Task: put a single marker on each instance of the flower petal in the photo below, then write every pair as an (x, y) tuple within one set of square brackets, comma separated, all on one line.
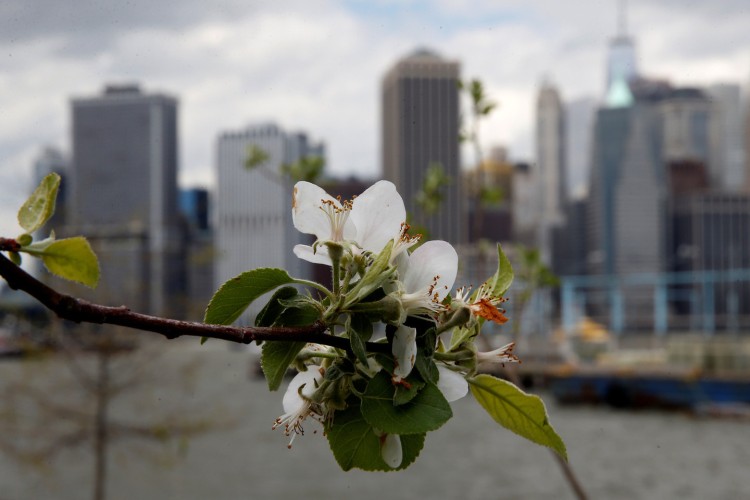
[(404, 351), (453, 385), (308, 216), (434, 258), (390, 450), (305, 252), (292, 400), (378, 214)]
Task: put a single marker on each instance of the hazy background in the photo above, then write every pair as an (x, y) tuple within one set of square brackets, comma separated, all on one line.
[(317, 65)]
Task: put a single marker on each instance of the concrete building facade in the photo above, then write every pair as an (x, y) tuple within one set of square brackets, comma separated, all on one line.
[(420, 127), (123, 195), (253, 206)]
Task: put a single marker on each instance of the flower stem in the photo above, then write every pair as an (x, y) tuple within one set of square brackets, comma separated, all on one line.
[(317, 286)]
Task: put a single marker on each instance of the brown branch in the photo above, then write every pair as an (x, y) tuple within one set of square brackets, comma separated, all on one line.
[(81, 311), (9, 245)]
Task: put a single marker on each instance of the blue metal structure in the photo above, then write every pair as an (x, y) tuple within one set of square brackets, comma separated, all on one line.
[(697, 288)]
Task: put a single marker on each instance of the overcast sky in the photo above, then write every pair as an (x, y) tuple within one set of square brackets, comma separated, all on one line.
[(316, 65)]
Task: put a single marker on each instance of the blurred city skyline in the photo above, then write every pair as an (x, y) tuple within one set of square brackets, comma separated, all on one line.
[(318, 66)]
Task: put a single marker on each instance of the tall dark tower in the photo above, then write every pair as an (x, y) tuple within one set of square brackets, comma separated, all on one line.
[(123, 194), (419, 129)]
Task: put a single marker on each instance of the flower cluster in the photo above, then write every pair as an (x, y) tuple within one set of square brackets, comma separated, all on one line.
[(381, 276)]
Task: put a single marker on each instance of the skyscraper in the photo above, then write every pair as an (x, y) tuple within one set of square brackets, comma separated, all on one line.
[(254, 215), (420, 126), (551, 178), (728, 154), (627, 192), (123, 194)]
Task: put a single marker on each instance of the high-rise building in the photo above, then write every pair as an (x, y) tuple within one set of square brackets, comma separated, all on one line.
[(123, 195), (626, 209), (728, 154), (551, 178), (420, 127), (579, 124), (253, 205), (686, 117)]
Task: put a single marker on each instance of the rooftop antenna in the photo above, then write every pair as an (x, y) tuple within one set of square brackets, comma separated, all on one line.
[(622, 28)]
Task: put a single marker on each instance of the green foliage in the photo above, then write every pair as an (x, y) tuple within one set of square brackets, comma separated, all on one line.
[(307, 168), (70, 258), (356, 444), (373, 403), (431, 196), (490, 196), (533, 271), (236, 295), (503, 277), (40, 206), (517, 411), (275, 360), (256, 156), (425, 412)]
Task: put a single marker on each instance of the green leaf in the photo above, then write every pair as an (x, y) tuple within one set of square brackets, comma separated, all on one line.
[(234, 296), (275, 359), (403, 394), (512, 408), (274, 307), (40, 206), (304, 315), (504, 276), (426, 412), (355, 444), (69, 258)]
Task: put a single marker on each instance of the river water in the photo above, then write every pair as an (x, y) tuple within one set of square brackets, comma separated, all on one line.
[(616, 454)]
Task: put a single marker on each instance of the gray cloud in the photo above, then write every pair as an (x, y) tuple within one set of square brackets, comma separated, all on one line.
[(317, 65)]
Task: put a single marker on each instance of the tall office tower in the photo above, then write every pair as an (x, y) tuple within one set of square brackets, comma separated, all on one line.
[(579, 124), (686, 119), (123, 195), (621, 59), (728, 154), (420, 129), (551, 178), (627, 195), (254, 215)]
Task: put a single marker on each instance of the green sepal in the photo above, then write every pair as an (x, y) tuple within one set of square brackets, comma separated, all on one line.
[(15, 258), (355, 444), (426, 412), (373, 279), (359, 329), (40, 206), (236, 295), (24, 239), (517, 411)]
